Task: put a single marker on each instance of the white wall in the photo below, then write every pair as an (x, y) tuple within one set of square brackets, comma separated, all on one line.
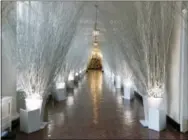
[(0, 69), (184, 75), (173, 90), (8, 66)]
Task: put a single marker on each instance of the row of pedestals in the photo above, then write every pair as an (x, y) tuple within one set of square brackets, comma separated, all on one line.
[(155, 114), (128, 91), (30, 119)]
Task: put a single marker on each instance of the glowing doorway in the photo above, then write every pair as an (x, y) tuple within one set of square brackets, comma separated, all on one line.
[(95, 62)]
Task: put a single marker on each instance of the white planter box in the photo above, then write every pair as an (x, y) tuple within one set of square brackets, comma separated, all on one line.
[(128, 93), (112, 79), (118, 82), (33, 104), (60, 94), (155, 103), (29, 120), (157, 119), (156, 114), (145, 104)]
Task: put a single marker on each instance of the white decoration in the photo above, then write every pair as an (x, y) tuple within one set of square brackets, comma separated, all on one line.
[(71, 77), (60, 85), (33, 103), (155, 115), (136, 36), (128, 83), (76, 78), (155, 102), (128, 92), (30, 120), (95, 33), (156, 119), (157, 91), (118, 82), (112, 78)]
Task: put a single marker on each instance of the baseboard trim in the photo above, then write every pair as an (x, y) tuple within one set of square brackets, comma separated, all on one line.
[(11, 135), (173, 123), (169, 120), (15, 123), (138, 97)]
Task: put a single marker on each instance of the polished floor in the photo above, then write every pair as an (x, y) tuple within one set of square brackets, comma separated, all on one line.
[(95, 110)]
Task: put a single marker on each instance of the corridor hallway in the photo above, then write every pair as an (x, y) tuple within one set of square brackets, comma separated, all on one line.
[(96, 111)]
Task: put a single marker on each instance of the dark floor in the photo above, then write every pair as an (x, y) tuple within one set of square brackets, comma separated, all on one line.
[(96, 111)]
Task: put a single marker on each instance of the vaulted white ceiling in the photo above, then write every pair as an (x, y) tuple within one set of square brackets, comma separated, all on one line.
[(61, 34)]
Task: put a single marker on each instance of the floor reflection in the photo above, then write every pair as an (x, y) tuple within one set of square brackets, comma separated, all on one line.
[(95, 84), (95, 110), (70, 100)]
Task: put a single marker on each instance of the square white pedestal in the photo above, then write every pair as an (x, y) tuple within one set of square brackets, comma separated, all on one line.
[(128, 93), (118, 84), (60, 94), (29, 120), (112, 79), (156, 119)]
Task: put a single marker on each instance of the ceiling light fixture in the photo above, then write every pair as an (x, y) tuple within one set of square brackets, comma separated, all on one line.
[(96, 33), (95, 43)]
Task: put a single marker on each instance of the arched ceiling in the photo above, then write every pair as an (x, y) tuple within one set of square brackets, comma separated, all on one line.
[(60, 34)]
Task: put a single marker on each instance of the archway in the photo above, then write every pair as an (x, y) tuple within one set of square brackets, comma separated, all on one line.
[(95, 62)]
